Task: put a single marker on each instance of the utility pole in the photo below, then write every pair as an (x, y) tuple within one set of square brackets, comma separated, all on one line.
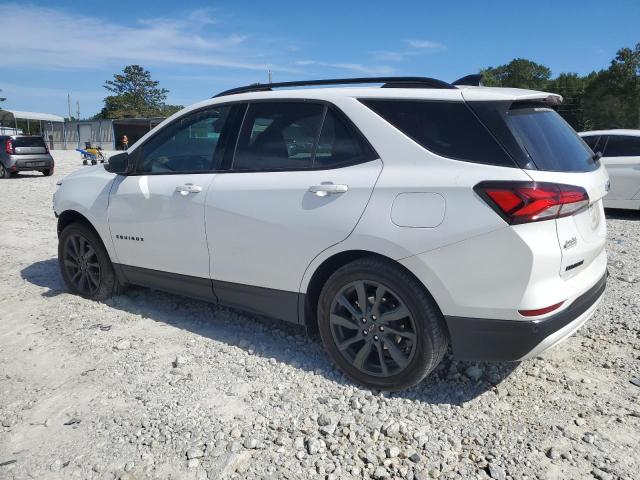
[(78, 109), (69, 105)]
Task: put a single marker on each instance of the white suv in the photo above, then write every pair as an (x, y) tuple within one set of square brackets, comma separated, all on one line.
[(620, 151), (395, 220)]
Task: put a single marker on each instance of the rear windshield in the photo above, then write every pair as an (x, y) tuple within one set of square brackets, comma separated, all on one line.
[(449, 129), (27, 142), (549, 142)]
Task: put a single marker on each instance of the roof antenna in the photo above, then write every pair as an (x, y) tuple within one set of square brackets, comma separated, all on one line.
[(269, 76)]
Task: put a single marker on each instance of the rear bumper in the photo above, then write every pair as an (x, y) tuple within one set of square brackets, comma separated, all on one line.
[(18, 163), (511, 340)]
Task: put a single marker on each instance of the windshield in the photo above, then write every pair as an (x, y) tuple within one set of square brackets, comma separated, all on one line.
[(550, 143)]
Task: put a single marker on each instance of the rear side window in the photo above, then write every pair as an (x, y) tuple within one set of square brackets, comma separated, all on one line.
[(278, 136), (548, 141), (27, 142), (298, 136), (340, 144), (622, 146), (448, 129)]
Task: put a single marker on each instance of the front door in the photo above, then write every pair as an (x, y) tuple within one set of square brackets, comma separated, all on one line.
[(299, 181), (156, 215)]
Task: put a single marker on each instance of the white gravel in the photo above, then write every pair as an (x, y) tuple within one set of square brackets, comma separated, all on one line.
[(151, 385)]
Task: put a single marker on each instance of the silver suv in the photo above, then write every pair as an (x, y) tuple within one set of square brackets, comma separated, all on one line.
[(19, 153)]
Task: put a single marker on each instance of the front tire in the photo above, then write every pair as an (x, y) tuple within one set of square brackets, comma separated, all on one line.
[(380, 326), (85, 264)]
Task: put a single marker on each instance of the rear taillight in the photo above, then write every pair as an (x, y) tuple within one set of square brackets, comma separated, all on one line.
[(524, 202), (8, 146)]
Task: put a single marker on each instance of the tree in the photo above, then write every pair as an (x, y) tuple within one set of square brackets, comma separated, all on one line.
[(2, 99), (519, 73), (135, 95), (571, 87)]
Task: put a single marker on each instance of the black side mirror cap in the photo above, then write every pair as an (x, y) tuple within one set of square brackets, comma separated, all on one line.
[(119, 164)]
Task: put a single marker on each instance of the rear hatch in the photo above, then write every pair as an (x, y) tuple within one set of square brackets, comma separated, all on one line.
[(550, 151), (28, 145)]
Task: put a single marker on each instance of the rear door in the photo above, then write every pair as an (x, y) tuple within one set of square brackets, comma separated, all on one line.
[(297, 184), (560, 156), (621, 157)]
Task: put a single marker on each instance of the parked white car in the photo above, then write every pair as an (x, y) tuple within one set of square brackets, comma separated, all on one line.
[(620, 151), (396, 221)]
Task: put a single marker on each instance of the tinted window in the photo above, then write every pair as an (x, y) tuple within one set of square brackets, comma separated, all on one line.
[(277, 136), (550, 143), (339, 144), (187, 145), (449, 129), (27, 142), (622, 146), (592, 141)]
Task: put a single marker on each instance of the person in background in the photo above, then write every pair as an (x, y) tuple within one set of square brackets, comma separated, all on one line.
[(125, 142)]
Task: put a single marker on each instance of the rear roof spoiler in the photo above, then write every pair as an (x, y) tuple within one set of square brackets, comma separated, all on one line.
[(474, 80)]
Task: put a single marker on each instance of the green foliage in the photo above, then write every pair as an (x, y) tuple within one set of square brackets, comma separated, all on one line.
[(2, 99), (606, 99), (520, 73), (135, 94)]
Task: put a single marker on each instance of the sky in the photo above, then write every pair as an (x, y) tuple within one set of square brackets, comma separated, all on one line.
[(198, 48)]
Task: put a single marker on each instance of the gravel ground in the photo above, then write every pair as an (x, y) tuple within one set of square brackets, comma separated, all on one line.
[(151, 385)]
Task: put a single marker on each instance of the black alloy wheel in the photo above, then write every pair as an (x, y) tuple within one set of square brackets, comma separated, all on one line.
[(373, 329)]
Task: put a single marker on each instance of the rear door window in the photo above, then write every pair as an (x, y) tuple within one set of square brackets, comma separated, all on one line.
[(278, 136), (549, 142), (622, 146), (340, 144), (449, 129)]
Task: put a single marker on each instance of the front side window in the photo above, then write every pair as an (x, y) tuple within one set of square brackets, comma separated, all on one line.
[(622, 146), (448, 129), (187, 145), (278, 136)]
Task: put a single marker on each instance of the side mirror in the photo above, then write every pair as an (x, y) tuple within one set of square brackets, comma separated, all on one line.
[(119, 164)]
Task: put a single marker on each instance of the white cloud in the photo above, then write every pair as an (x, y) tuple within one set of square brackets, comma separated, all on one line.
[(425, 44), (353, 67), (47, 37)]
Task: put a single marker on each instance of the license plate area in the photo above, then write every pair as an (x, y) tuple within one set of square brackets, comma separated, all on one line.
[(35, 164)]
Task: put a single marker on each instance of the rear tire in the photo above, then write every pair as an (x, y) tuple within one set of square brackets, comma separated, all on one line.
[(85, 264), (399, 338), (48, 172), (4, 172)]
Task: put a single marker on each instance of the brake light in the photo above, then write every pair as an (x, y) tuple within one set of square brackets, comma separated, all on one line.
[(8, 146), (524, 202), (540, 311)]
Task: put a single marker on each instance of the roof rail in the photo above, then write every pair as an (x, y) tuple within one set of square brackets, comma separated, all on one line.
[(474, 80), (388, 82)]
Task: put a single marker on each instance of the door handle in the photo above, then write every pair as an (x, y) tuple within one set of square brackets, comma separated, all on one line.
[(188, 188), (325, 189)]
